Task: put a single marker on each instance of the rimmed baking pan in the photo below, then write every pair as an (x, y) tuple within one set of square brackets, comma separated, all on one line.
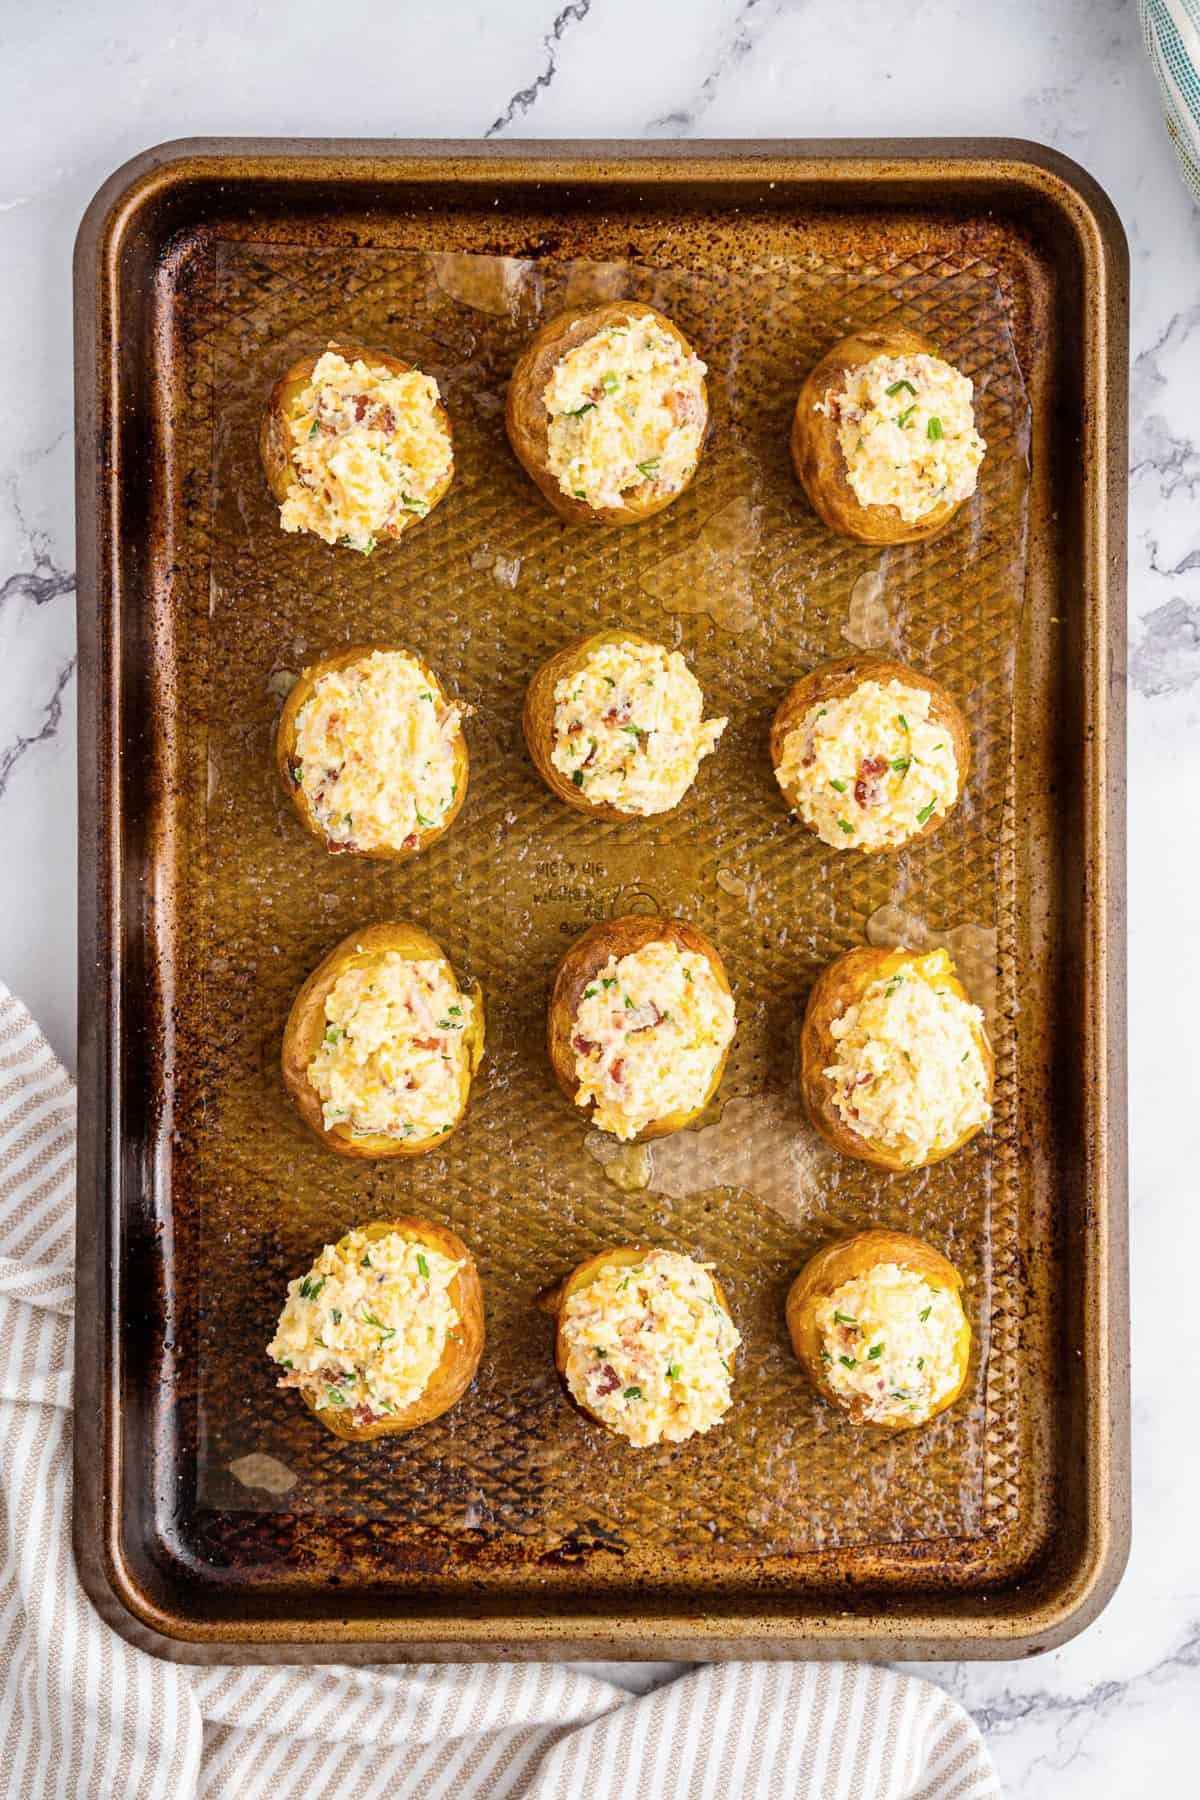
[(214, 1520)]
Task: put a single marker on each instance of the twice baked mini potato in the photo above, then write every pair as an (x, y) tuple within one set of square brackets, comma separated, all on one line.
[(355, 444), (869, 753), (381, 1044), (639, 1024), (386, 1329), (883, 438), (607, 412), (645, 1343), (877, 1324), (371, 752), (895, 1064), (613, 724)]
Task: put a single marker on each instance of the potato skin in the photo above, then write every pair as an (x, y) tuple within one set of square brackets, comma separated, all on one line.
[(553, 1299), (584, 960), (456, 1371), (285, 754), (528, 423), (817, 455), (537, 719), (833, 681), (306, 1027), (840, 985), (845, 1260), (274, 438)]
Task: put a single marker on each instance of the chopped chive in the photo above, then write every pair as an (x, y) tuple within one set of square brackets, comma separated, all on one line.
[(920, 1362), (610, 382), (672, 1371), (309, 1289), (934, 429), (906, 415), (846, 825), (422, 1264), (314, 428), (839, 785), (875, 1351), (633, 1393), (901, 721), (365, 1263), (297, 773), (589, 993), (841, 1318), (897, 385), (923, 1316), (848, 1362), (608, 981), (900, 763), (577, 778), (588, 406), (925, 812), (649, 468)]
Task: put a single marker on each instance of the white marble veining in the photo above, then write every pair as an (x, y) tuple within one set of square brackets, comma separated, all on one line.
[(83, 88)]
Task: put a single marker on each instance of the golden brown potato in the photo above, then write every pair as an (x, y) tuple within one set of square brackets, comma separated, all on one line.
[(287, 766), (846, 1260), (283, 404), (579, 967), (528, 422), (817, 454), (841, 985), (306, 1026), (835, 680), (538, 718), (553, 1299), (460, 1359)]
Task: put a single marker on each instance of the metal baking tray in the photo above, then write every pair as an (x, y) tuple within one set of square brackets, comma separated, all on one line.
[(214, 1520)]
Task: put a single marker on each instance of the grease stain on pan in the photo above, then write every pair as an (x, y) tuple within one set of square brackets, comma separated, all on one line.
[(868, 623), (761, 1145), (258, 1470), (487, 284), (974, 949), (711, 574)]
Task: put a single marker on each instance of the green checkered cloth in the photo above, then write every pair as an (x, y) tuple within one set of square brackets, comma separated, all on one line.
[(1172, 29)]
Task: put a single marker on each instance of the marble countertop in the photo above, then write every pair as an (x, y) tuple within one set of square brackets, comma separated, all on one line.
[(85, 88)]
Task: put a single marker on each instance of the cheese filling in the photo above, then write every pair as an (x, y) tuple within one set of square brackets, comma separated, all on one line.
[(365, 1329), (374, 753), (395, 1055), (890, 1344), (870, 769), (627, 413), (906, 427), (627, 727), (910, 1074), (369, 452), (649, 1036), (649, 1348)]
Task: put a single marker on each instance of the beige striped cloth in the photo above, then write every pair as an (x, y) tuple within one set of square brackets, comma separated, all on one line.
[(82, 1713)]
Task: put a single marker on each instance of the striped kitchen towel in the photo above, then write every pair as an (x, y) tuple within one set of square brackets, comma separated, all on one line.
[(1172, 31), (84, 1714)]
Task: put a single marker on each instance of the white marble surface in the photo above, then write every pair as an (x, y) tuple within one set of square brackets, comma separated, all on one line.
[(83, 88)]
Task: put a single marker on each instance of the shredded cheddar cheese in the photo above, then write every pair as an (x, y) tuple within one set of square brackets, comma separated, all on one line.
[(374, 753), (906, 427), (649, 1036), (867, 771), (395, 1052), (627, 412), (367, 1326), (369, 452), (910, 1074), (628, 730), (649, 1348), (891, 1344)]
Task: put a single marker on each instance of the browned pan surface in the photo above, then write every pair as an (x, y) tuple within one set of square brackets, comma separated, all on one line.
[(212, 1508)]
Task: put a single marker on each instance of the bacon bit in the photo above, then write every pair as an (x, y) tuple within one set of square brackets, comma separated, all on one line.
[(363, 1415), (868, 786), (681, 406), (810, 755), (583, 1046), (611, 1382), (382, 419), (360, 403), (617, 715), (617, 1071), (427, 1043), (649, 1026), (411, 841)]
